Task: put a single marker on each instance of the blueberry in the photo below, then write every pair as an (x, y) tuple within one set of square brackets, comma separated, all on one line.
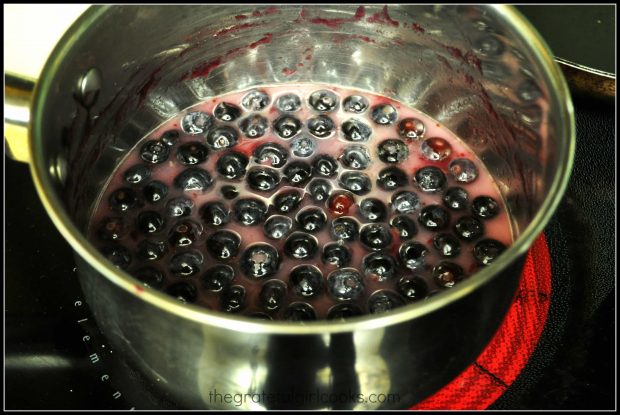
[(303, 146), (229, 192), (429, 179), (321, 126), (355, 182), (412, 288), (170, 138), (325, 165), (233, 299), (463, 170), (298, 173), (391, 178), (345, 284), (137, 174), (436, 148), (249, 211), (263, 179), (218, 278), (255, 100), (178, 207), (186, 264), (112, 229), (154, 151), (484, 207), (299, 312), (287, 200), (150, 222), (215, 213), (434, 217), (446, 274), (222, 137), (487, 250), (306, 280), (411, 128), (149, 276), (323, 101), (224, 244), (373, 210), (355, 103), (375, 236), (393, 151), (319, 189), (405, 226), (226, 112), (343, 311), (278, 226), (379, 266), (117, 255), (193, 179), (287, 126), (456, 198), (288, 103), (196, 123), (355, 130), (412, 254), (152, 251), (337, 254), (192, 153), (155, 192), (311, 219), (300, 245), (344, 228), (405, 202), (123, 199), (468, 228), (355, 157), (274, 153), (232, 165), (447, 245), (182, 291), (273, 295), (184, 233), (384, 114), (259, 260), (254, 126), (384, 301)]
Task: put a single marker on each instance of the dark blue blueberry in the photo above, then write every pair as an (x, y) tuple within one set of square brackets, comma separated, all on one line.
[(306, 280), (123, 199), (150, 222), (222, 137), (254, 126), (468, 228), (273, 295), (249, 212), (343, 311), (278, 226), (218, 278), (154, 151), (430, 179), (446, 274), (321, 126), (152, 251), (287, 200), (137, 174), (192, 153), (155, 192), (300, 245), (345, 284), (384, 114), (319, 190), (434, 217), (215, 214), (344, 228), (299, 312), (411, 128), (117, 255), (263, 179), (255, 100), (112, 229), (413, 288), (356, 104), (149, 276), (184, 233), (298, 173), (323, 100), (391, 178), (288, 103), (356, 182), (179, 206), (384, 301), (287, 126), (375, 236), (413, 254), (463, 170), (355, 130), (337, 254), (456, 198), (170, 138), (303, 146), (259, 260), (379, 266), (325, 165), (273, 153), (226, 112), (196, 123), (405, 226), (393, 151), (355, 157), (487, 250), (224, 244), (232, 165), (193, 179), (311, 219), (447, 245), (405, 202), (373, 210), (233, 299), (229, 192), (182, 291), (485, 207), (186, 264)]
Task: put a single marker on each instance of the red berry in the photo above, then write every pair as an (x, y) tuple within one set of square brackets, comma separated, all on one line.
[(340, 203)]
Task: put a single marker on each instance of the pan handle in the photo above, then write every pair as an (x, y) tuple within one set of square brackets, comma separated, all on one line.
[(18, 92)]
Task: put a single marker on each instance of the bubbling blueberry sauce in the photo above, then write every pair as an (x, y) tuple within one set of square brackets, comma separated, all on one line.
[(297, 202)]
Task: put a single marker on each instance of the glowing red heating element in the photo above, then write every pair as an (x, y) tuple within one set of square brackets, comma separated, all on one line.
[(502, 360)]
